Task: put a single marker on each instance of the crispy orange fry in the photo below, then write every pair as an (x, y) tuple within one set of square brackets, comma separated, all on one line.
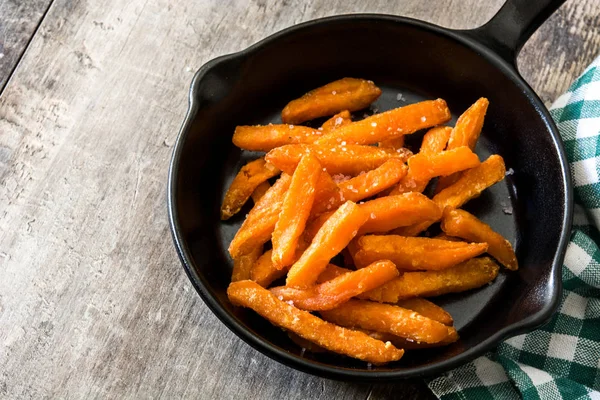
[(245, 182), (387, 318), (242, 265), (471, 183), (387, 213), (426, 166), (332, 271), (295, 210), (415, 253), (342, 159), (434, 142), (470, 274), (260, 222), (395, 143), (465, 225), (338, 120), (354, 344), (264, 272), (406, 344), (305, 344), (267, 137), (334, 292), (465, 133), (260, 191), (391, 124), (364, 185), (443, 236), (333, 236), (344, 94), (427, 309), (412, 230)]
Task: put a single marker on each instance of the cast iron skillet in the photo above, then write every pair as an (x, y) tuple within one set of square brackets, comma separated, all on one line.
[(532, 207)]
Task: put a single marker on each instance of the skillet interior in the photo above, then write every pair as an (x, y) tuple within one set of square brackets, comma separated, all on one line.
[(401, 56)]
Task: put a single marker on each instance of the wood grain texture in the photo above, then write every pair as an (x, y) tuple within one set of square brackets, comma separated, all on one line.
[(18, 22), (93, 301)]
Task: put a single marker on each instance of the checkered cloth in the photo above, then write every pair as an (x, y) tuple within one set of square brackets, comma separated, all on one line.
[(562, 359)]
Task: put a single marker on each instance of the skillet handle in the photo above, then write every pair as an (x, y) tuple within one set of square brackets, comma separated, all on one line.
[(509, 29)]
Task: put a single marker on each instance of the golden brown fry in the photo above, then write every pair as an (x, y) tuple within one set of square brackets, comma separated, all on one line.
[(295, 210), (471, 183), (264, 272), (245, 182), (242, 265), (412, 230), (260, 191), (340, 159), (332, 271), (426, 166), (386, 318), (395, 143), (363, 186), (427, 309), (415, 253), (260, 222), (267, 137), (344, 94), (470, 274), (387, 213), (354, 344), (338, 120), (390, 124), (465, 225), (333, 236)]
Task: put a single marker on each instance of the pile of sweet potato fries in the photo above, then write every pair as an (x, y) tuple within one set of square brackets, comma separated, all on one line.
[(352, 188)]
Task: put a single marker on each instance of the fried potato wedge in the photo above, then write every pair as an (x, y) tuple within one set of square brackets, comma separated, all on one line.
[(387, 318), (427, 309), (332, 293), (329, 336), (390, 124), (338, 159), (243, 185), (345, 94), (470, 274), (260, 221), (464, 225), (415, 253)]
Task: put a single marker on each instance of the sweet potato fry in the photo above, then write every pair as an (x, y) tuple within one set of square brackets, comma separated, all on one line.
[(354, 344), (267, 137), (245, 182), (344, 94), (242, 265), (339, 159), (471, 183), (434, 142), (470, 274), (338, 120), (412, 230), (260, 222), (333, 236), (426, 166), (386, 318), (465, 225), (387, 213), (260, 191), (364, 185), (334, 292), (395, 143), (443, 236), (305, 344), (465, 133), (406, 344), (332, 271), (390, 124), (264, 272), (427, 309), (295, 210), (415, 253)]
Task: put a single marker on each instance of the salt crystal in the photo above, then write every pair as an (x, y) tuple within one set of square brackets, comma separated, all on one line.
[(399, 96), (510, 172), (290, 302), (423, 119), (333, 149), (339, 120), (333, 92), (373, 124), (280, 297), (369, 366), (343, 143), (507, 210), (302, 352), (344, 149), (372, 215), (320, 128), (338, 140), (291, 126), (372, 133)]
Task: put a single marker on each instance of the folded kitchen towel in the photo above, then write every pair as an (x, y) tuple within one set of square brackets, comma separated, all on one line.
[(561, 360)]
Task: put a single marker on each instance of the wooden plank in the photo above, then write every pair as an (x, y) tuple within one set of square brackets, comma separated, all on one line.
[(18, 22), (93, 301)]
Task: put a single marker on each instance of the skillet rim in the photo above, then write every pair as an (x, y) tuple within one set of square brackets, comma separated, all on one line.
[(466, 38)]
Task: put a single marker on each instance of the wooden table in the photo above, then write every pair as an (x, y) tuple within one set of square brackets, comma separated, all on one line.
[(93, 300)]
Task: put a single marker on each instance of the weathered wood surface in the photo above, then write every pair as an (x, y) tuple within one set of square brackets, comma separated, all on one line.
[(93, 301), (18, 22)]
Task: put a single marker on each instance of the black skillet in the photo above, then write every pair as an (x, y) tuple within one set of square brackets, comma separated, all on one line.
[(411, 60)]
